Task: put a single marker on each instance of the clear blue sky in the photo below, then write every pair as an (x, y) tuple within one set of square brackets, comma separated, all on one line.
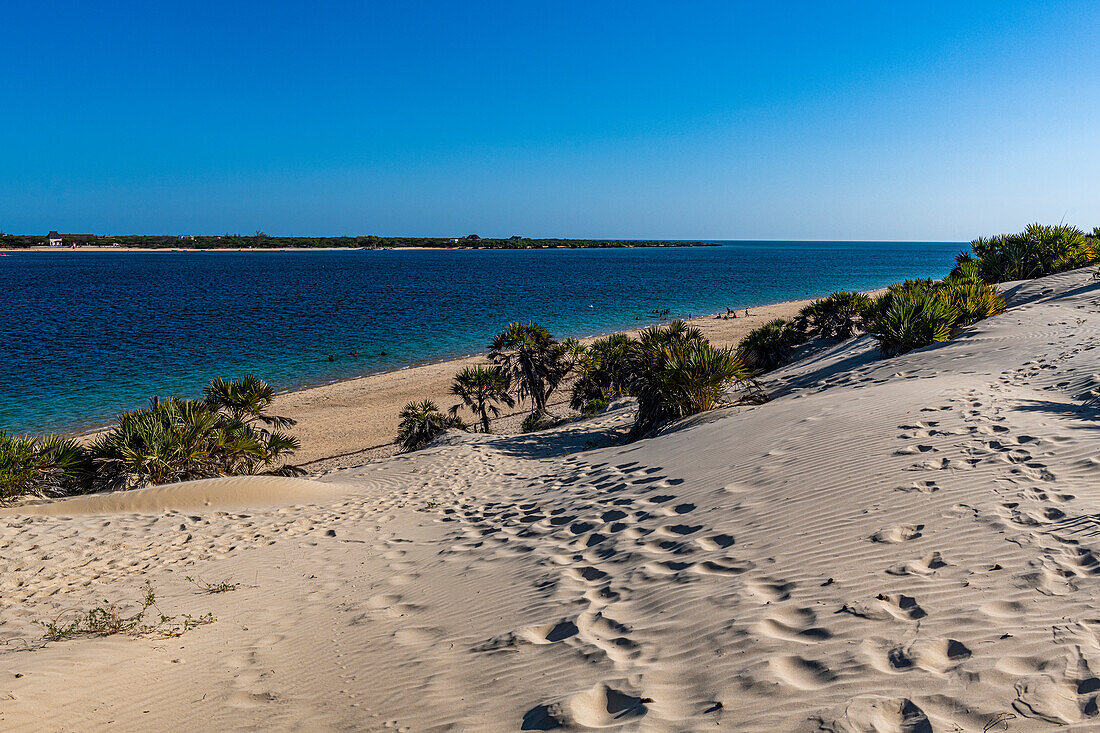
[(816, 120)]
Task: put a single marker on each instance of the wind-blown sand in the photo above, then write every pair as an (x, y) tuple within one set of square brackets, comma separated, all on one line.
[(901, 544)]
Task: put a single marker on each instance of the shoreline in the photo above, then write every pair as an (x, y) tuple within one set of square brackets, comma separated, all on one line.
[(359, 415), (98, 248)]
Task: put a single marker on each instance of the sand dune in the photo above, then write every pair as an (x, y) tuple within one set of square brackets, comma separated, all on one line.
[(220, 493), (903, 544)]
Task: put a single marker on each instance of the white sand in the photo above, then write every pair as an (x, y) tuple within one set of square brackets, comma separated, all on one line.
[(897, 544)]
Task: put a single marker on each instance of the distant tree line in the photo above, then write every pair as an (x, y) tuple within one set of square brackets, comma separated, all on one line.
[(260, 240)]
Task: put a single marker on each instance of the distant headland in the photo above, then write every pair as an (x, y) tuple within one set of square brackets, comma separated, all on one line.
[(259, 240)]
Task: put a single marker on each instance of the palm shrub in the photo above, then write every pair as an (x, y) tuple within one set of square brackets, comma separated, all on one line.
[(49, 466), (606, 371), (675, 332), (966, 268), (770, 346), (170, 440), (681, 377), (480, 389), (246, 399), (227, 433), (422, 422), (836, 316), (973, 300), (916, 287), (911, 319), (1038, 250), (242, 406), (534, 362)]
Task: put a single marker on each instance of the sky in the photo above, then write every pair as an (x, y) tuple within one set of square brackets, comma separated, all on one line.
[(676, 120)]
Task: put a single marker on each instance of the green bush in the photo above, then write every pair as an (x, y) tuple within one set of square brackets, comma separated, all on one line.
[(1038, 250), (597, 404), (834, 317), (534, 363), (422, 422), (966, 268), (480, 389), (770, 346), (678, 377), (181, 440), (911, 319), (972, 300), (49, 466), (605, 370), (227, 433)]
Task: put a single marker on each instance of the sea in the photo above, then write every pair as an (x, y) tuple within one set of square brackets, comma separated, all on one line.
[(86, 335)]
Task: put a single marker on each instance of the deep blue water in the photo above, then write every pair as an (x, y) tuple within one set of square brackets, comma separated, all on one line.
[(85, 335)]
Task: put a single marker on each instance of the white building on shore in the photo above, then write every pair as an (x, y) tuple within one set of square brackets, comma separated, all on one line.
[(54, 239)]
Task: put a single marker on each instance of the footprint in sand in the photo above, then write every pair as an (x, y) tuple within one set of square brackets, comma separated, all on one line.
[(791, 624), (914, 449), (678, 530), (801, 673), (716, 542), (601, 706), (902, 533), (728, 567), (769, 590), (1061, 697), (886, 606), (874, 714), (927, 565), (922, 487), (549, 633), (938, 655)]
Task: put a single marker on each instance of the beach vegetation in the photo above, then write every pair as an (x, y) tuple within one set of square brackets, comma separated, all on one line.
[(972, 299), (223, 586), (966, 268), (108, 619), (46, 466), (422, 422), (605, 371), (595, 405), (538, 421), (246, 400), (912, 317), (1037, 251), (770, 346), (482, 389), (837, 316), (178, 439), (679, 373), (534, 362)]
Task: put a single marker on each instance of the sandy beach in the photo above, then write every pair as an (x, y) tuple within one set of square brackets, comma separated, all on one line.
[(361, 415), (347, 422), (889, 544)]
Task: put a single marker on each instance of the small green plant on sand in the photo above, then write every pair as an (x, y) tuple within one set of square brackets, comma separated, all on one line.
[(109, 619), (422, 422), (223, 587), (770, 346)]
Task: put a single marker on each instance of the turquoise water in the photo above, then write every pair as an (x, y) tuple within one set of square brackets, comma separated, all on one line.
[(84, 335)]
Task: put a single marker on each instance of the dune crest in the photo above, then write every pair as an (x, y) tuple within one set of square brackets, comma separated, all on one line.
[(217, 493)]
